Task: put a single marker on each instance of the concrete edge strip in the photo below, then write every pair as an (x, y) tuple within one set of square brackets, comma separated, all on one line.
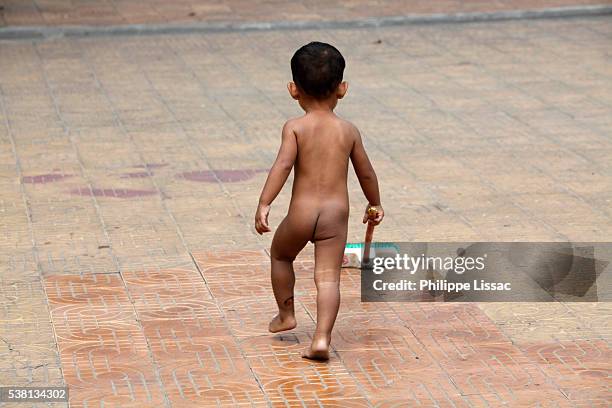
[(34, 32)]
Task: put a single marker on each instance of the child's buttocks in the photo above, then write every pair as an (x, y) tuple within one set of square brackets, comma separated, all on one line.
[(323, 219)]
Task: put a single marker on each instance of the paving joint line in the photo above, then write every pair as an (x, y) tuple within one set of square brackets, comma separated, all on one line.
[(195, 264), (40, 32), (260, 385), (151, 356)]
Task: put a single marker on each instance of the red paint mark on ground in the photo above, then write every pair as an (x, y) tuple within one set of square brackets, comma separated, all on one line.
[(44, 178), (137, 174), (112, 192), (226, 176), (201, 176)]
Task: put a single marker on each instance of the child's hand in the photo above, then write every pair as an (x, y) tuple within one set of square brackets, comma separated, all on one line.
[(261, 219), (376, 218)]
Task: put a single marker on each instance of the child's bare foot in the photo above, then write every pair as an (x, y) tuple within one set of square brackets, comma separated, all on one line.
[(278, 324), (318, 351)]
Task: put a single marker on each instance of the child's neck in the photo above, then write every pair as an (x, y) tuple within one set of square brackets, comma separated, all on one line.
[(319, 105)]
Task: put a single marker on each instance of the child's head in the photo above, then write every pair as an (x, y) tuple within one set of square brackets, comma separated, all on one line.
[(317, 70)]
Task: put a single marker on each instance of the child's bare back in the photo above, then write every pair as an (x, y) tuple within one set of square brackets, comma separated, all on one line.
[(319, 200), (318, 146)]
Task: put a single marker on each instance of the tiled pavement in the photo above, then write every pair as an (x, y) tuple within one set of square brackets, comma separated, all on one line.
[(120, 12), (129, 170)]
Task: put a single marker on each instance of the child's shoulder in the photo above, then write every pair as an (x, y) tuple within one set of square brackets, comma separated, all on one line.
[(292, 123), (295, 123), (348, 125), (348, 128)]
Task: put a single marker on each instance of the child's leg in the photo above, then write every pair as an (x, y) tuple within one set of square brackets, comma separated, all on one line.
[(287, 243), (328, 261)]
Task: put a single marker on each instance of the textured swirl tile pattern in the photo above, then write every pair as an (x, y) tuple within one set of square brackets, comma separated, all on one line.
[(181, 338)]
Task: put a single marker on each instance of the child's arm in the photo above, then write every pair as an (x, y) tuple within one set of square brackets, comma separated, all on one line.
[(367, 179), (277, 177)]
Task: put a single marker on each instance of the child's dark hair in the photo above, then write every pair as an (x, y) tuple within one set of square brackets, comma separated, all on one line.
[(317, 69)]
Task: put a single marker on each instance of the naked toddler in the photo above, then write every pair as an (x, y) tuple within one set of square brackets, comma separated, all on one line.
[(318, 145)]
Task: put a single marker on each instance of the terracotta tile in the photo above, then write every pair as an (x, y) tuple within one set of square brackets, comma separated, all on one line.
[(242, 272), (428, 388), (279, 344), (459, 402), (191, 382), (115, 333), (545, 397), (150, 286), (293, 365), (250, 316), (88, 321), (576, 368), (209, 259), (170, 344), (328, 402), (243, 288), (133, 396), (93, 290), (213, 326), (171, 309), (324, 383), (371, 338)]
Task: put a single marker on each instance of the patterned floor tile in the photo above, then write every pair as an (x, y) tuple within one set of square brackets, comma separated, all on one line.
[(248, 316), (449, 328), (545, 398), (496, 369), (402, 373), (210, 383), (242, 272), (279, 344), (211, 259), (328, 402), (312, 384), (96, 290), (122, 394), (172, 343), (240, 288), (103, 351), (579, 368), (157, 286)]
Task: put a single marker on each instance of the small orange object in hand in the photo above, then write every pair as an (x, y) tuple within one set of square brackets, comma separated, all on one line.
[(373, 216)]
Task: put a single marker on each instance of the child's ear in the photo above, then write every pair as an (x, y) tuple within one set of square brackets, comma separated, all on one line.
[(342, 88), (293, 90)]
